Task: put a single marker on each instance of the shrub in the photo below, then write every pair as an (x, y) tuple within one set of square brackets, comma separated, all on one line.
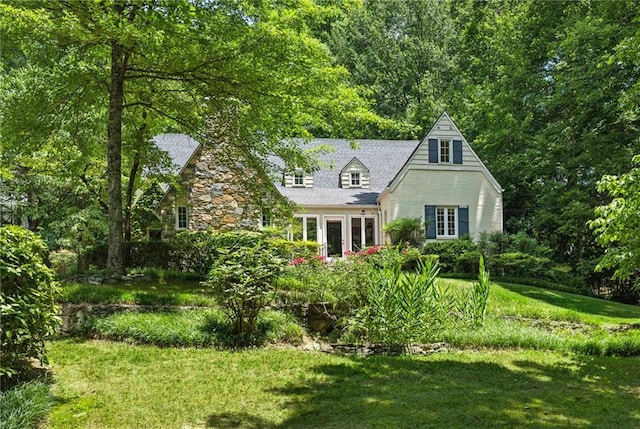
[(397, 305), (24, 405), (449, 251), (518, 264), (405, 230), (294, 249), (28, 295), (193, 251), (64, 262), (468, 262), (156, 254), (244, 277)]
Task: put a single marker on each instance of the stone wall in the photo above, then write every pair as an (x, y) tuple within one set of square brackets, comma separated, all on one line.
[(214, 195)]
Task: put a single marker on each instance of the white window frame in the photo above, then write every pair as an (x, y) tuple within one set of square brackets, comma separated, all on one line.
[(298, 179), (448, 144), (355, 179), (266, 220), (305, 228), (363, 232), (178, 217), (446, 231)]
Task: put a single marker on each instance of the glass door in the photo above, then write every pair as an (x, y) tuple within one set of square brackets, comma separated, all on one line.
[(334, 234)]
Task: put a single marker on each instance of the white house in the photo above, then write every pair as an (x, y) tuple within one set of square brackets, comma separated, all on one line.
[(359, 188)]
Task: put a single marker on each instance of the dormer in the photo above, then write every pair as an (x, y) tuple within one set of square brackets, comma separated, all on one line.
[(354, 175), (298, 179)]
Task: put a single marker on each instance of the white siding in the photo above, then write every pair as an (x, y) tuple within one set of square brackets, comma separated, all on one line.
[(354, 166), (288, 181), (419, 187)]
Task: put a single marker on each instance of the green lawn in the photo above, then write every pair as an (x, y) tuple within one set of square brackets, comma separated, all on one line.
[(536, 363), (113, 385)]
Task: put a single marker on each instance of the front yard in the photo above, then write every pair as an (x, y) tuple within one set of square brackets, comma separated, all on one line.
[(540, 360), (103, 384)]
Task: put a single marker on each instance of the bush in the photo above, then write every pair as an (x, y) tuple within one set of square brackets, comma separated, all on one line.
[(148, 254), (28, 296), (449, 251), (193, 251), (244, 277), (405, 230), (294, 249), (24, 405), (468, 262), (64, 262), (520, 265)]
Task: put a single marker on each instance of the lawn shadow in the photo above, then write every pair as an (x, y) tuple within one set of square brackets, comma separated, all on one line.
[(236, 421), (399, 392), (575, 302)]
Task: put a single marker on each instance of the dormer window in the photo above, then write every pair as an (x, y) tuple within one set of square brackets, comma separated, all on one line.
[(298, 178), (355, 179), (354, 175), (445, 151)]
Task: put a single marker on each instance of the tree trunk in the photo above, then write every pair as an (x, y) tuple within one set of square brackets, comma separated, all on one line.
[(115, 261), (133, 173)]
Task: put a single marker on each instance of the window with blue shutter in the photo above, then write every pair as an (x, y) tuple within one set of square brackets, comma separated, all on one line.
[(430, 221), (457, 151), (463, 220), (433, 151)]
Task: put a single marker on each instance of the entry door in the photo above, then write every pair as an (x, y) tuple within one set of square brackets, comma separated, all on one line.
[(334, 237)]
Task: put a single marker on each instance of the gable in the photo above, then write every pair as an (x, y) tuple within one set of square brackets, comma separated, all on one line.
[(354, 175), (429, 154)]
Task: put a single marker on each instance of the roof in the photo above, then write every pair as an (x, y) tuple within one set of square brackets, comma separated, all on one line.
[(383, 159), (180, 148)]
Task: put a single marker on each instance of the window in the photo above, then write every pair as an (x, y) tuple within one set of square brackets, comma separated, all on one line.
[(182, 222), (298, 178), (304, 228), (445, 151), (446, 222), (355, 179), (265, 220)]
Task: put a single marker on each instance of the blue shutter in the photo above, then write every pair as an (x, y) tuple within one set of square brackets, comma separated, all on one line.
[(457, 151), (430, 221), (463, 220), (433, 151)]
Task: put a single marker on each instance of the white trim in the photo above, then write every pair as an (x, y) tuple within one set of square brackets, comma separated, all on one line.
[(446, 211), (342, 220), (362, 230), (186, 217)]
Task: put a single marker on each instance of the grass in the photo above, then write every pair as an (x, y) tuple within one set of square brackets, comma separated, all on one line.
[(24, 405), (191, 328), (114, 385), (174, 293)]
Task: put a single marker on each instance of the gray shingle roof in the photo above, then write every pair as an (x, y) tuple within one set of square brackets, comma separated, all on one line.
[(383, 158), (180, 148)]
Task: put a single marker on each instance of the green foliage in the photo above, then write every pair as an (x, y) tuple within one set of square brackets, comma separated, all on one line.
[(405, 230), (191, 328), (520, 265), (448, 252), (64, 262), (167, 293), (193, 251), (24, 405), (244, 277), (617, 226), (468, 262), (294, 249), (27, 299), (403, 308)]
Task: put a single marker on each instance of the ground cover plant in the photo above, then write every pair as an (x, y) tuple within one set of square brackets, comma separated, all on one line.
[(114, 385), (24, 405), (170, 292), (191, 328)]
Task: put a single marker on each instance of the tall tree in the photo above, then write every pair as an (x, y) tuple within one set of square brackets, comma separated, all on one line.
[(183, 61)]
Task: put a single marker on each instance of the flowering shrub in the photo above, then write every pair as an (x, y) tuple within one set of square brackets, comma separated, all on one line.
[(314, 260)]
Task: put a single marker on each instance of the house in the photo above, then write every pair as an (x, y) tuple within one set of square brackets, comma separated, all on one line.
[(358, 189)]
